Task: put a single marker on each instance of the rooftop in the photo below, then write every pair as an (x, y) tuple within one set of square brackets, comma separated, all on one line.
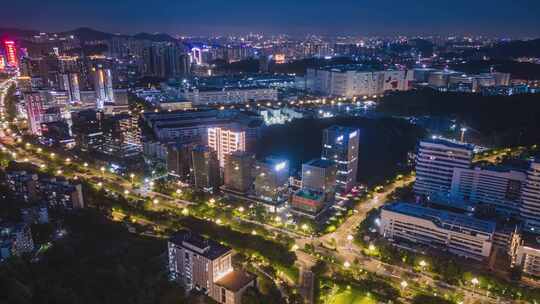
[(352, 67), (445, 219), (206, 247), (448, 143), (235, 280)]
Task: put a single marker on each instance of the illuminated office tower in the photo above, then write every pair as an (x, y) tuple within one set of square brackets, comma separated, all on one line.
[(340, 144), (225, 141), (11, 53), (70, 84), (103, 86)]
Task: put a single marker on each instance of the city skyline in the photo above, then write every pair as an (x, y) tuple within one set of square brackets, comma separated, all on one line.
[(207, 17)]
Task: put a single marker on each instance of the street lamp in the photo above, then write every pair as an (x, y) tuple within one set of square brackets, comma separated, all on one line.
[(423, 264), (155, 201), (132, 176), (85, 165), (347, 264), (126, 192), (102, 169), (404, 284)]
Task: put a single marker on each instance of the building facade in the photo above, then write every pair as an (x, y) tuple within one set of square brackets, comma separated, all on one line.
[(456, 233), (271, 180), (225, 141), (205, 265), (206, 174), (238, 175), (530, 198), (498, 187), (435, 163), (341, 145)]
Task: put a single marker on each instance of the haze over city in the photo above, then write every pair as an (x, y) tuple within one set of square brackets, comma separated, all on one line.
[(365, 17)]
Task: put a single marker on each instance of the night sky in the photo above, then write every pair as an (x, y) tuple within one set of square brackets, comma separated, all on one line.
[(515, 18)]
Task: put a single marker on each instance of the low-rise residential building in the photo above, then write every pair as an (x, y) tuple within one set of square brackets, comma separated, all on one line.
[(456, 233), (205, 265), (23, 184), (61, 194), (525, 253), (15, 240)]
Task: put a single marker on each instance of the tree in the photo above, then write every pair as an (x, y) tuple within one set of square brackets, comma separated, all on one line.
[(251, 296), (429, 299)]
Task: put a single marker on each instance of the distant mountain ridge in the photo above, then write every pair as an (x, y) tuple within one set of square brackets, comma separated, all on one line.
[(87, 34)]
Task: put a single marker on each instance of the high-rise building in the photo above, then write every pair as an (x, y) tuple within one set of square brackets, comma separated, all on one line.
[(2, 63), (271, 180), (435, 163), (206, 265), (530, 199), (34, 102), (70, 84), (225, 141), (103, 86), (205, 168), (238, 175), (122, 136), (320, 175), (11, 53), (341, 145), (179, 159)]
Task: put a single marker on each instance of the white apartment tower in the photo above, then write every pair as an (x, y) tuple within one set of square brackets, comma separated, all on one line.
[(435, 163), (225, 141)]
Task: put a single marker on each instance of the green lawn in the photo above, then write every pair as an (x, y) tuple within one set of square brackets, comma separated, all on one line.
[(352, 296)]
